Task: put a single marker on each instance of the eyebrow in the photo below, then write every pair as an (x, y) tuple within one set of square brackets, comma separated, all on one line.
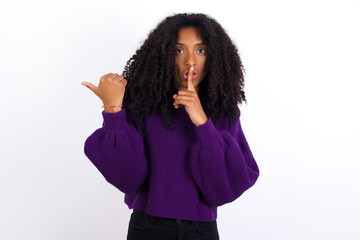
[(202, 43)]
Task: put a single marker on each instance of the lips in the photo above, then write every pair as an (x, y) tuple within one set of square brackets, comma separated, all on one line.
[(186, 74)]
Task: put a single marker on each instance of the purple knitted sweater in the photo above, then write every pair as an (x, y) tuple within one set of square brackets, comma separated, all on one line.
[(184, 173)]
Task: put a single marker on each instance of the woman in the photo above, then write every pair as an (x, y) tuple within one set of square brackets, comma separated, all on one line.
[(171, 139)]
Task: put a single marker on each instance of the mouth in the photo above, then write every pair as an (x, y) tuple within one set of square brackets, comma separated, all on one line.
[(186, 74)]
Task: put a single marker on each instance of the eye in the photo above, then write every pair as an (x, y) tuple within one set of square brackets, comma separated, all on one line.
[(179, 51), (201, 50)]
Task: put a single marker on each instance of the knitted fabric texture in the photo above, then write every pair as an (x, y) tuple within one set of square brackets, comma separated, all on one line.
[(184, 173)]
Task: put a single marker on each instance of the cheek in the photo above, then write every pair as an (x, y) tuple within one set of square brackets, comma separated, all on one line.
[(204, 66), (177, 69), (177, 60)]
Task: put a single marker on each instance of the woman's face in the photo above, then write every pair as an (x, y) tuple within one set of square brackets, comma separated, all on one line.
[(190, 52)]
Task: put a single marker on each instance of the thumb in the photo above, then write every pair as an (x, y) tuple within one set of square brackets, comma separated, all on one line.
[(90, 86)]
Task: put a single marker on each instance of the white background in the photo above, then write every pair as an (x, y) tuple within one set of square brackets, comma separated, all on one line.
[(301, 120)]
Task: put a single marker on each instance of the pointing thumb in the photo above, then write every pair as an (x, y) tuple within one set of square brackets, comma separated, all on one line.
[(89, 85)]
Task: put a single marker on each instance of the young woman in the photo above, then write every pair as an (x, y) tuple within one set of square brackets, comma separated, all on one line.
[(171, 139)]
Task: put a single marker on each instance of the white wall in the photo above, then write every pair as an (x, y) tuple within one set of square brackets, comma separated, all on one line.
[(301, 120)]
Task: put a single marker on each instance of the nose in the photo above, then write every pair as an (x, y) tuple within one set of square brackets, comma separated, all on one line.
[(190, 60)]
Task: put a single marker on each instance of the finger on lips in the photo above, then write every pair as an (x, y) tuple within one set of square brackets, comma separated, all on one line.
[(184, 93), (191, 86)]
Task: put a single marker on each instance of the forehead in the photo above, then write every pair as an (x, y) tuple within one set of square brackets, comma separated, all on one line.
[(189, 35)]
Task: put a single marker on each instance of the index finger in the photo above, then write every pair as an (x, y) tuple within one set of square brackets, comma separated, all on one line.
[(191, 86)]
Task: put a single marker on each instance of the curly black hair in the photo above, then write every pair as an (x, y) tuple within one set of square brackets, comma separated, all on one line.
[(150, 72)]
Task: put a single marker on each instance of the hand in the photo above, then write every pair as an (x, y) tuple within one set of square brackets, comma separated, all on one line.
[(111, 89), (190, 99)]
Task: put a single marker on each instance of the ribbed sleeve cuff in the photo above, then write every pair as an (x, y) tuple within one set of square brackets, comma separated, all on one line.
[(206, 132), (114, 121)]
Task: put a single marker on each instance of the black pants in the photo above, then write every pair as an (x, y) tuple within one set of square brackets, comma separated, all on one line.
[(144, 226)]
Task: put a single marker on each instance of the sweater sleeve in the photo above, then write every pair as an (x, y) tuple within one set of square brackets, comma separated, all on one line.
[(117, 151), (222, 164)]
